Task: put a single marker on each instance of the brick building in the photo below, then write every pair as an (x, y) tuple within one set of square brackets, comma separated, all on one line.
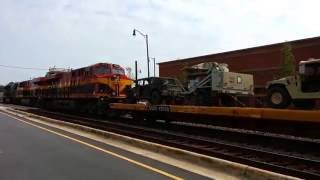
[(263, 61)]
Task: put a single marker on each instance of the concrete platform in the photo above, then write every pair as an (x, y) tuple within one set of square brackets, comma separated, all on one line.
[(36, 151), (191, 162)]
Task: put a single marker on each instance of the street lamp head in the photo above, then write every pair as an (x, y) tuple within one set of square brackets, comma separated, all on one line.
[(146, 38)]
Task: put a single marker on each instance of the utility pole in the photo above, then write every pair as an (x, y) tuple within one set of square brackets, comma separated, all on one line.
[(136, 69), (154, 67)]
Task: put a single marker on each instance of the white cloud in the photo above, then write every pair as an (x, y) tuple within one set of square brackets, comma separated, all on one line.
[(76, 33)]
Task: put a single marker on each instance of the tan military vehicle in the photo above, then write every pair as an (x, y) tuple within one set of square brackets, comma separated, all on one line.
[(302, 89), (212, 83)]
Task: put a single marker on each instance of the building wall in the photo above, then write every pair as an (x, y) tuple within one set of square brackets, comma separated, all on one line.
[(263, 62)]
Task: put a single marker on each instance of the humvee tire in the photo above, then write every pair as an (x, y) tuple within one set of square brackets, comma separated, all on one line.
[(278, 97)]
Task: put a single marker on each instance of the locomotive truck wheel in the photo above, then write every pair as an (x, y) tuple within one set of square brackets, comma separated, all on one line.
[(156, 97), (278, 97)]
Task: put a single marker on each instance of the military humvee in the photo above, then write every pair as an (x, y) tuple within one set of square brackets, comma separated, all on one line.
[(302, 89)]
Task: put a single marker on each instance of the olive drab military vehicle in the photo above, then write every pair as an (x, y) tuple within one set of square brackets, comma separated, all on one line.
[(212, 83), (302, 89)]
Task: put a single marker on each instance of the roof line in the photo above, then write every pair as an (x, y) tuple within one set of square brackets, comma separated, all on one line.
[(240, 50)]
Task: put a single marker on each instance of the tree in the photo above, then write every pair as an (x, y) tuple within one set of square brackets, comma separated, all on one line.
[(288, 66), (182, 74)]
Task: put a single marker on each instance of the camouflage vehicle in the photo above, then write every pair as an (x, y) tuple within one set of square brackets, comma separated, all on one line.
[(212, 83), (301, 89)]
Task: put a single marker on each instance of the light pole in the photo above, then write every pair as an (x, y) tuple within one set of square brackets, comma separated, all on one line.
[(154, 66), (146, 38)]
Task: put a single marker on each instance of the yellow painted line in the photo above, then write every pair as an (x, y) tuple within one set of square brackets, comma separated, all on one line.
[(103, 150)]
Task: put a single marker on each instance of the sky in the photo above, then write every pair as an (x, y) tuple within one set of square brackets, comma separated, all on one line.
[(78, 33)]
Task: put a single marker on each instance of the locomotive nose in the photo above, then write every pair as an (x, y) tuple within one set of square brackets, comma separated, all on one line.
[(115, 78)]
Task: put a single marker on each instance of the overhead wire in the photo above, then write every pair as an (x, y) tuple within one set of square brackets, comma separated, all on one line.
[(20, 67)]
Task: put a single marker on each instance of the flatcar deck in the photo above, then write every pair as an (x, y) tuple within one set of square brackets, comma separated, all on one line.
[(236, 112)]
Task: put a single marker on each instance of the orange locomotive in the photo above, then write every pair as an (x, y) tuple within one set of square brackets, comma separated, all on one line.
[(84, 89)]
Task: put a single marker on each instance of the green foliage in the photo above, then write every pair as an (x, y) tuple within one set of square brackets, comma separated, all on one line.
[(182, 75), (288, 66)]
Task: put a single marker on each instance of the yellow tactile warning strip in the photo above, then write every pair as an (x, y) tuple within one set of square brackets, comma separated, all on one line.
[(257, 113), (103, 150)]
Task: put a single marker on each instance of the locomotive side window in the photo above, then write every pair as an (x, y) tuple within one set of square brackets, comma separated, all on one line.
[(87, 71)]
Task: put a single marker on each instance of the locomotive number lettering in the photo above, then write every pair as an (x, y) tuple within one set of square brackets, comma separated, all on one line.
[(161, 108)]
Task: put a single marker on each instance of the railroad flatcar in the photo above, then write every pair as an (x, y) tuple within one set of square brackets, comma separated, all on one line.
[(84, 89)]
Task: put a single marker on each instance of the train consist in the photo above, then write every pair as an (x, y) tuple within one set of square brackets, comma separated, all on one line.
[(86, 89), (91, 89)]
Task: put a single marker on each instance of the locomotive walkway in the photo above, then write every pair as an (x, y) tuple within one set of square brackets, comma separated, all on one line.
[(34, 151)]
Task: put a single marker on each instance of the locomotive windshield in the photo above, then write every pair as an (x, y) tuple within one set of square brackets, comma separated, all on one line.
[(117, 70), (102, 70)]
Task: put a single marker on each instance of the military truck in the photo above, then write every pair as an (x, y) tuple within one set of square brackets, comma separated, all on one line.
[(212, 84), (302, 89), (156, 90)]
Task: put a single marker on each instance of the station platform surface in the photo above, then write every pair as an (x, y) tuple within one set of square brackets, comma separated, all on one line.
[(32, 151)]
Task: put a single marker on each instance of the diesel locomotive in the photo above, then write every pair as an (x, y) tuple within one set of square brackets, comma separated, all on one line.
[(86, 89)]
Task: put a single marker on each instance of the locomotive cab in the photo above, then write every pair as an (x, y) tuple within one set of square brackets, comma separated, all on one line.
[(110, 81)]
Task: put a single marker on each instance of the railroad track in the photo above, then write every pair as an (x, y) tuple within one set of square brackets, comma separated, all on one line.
[(287, 155)]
